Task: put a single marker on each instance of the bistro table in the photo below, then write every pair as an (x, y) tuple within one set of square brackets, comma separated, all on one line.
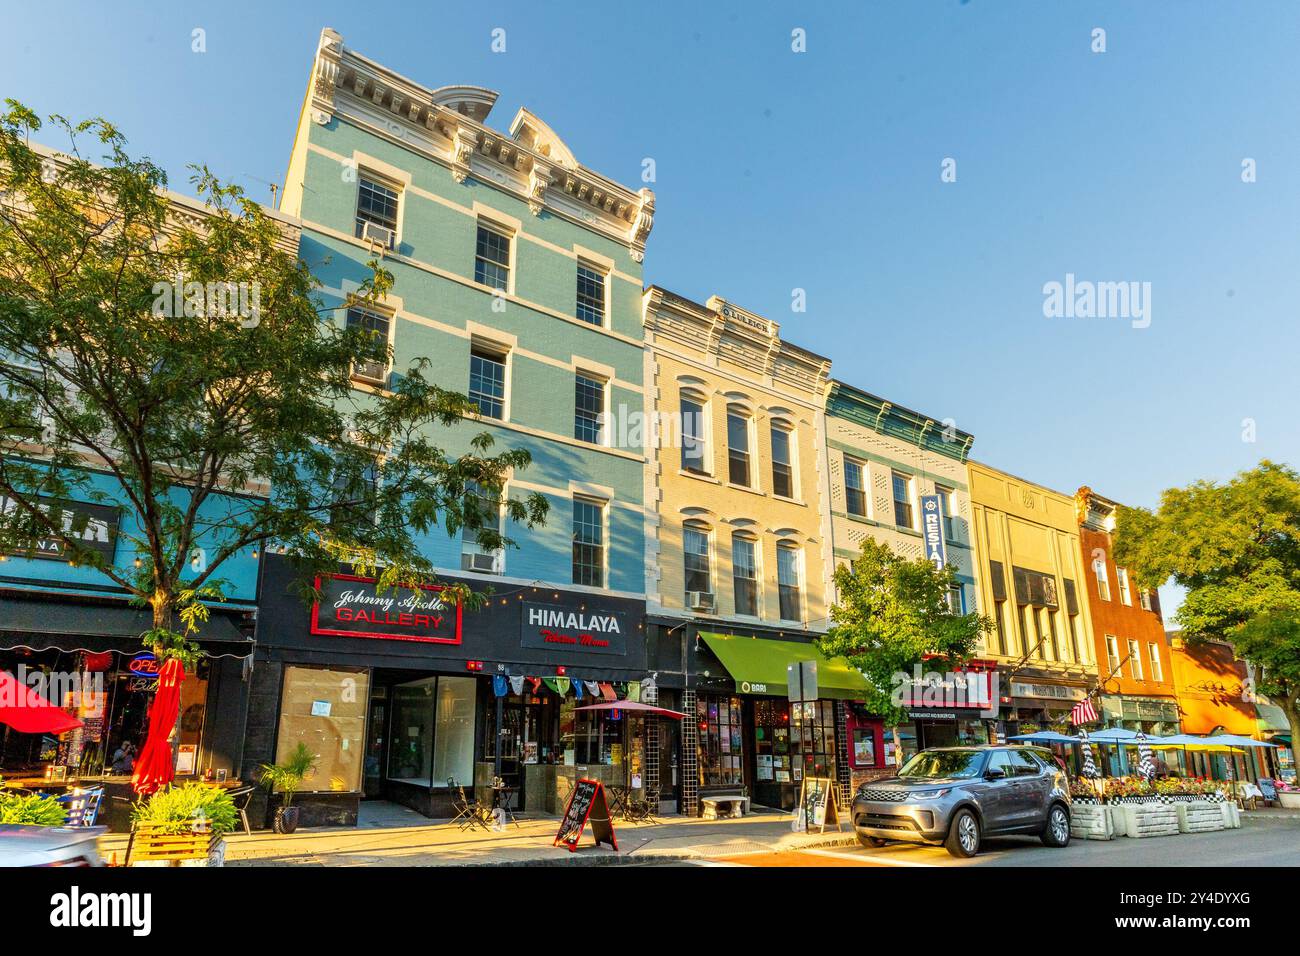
[(620, 795), (502, 794)]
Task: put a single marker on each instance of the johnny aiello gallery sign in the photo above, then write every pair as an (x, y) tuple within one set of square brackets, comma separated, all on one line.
[(574, 628), (350, 606)]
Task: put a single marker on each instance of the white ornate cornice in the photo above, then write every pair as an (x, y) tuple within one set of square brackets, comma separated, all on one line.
[(447, 126)]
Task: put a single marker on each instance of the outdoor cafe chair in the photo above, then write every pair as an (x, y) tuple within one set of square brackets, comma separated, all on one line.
[(471, 813), (242, 796), (82, 805)]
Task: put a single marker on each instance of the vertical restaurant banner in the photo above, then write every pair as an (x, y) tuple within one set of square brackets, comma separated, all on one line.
[(932, 530), (351, 607)]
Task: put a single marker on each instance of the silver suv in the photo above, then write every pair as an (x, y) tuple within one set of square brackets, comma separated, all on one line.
[(958, 795)]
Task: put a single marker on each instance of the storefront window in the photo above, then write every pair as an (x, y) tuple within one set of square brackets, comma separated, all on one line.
[(590, 736), (721, 741), (410, 755), (326, 710), (453, 736), (794, 748)]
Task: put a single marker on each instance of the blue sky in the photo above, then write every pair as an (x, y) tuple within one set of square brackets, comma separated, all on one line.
[(821, 171)]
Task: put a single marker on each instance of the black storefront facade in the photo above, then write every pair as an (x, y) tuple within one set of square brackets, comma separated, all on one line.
[(405, 696)]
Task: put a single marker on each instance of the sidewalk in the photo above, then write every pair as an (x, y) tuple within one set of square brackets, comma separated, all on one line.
[(390, 835)]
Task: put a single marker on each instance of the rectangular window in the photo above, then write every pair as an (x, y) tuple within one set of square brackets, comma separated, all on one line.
[(1103, 581), (1075, 642), (1112, 654), (1135, 660), (855, 488), (487, 382), (902, 500), (431, 732), (1040, 630), (693, 446), (371, 368), (588, 407), (591, 295), (492, 258), (744, 573), (945, 508), (787, 583), (738, 449), (376, 203), (721, 741), (1144, 599), (695, 555), (956, 603), (1054, 635), (1157, 672), (589, 542), (999, 617), (326, 710), (1121, 583), (453, 730), (782, 464)]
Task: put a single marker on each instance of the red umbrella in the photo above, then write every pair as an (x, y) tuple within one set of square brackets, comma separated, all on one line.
[(154, 767), (633, 705), (28, 712)]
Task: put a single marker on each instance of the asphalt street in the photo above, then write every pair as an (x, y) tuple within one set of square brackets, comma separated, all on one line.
[(1259, 842)]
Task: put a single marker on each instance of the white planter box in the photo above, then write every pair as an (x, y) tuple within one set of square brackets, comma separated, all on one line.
[(1231, 815), (1149, 819), (1201, 816), (1091, 822), (1290, 801)]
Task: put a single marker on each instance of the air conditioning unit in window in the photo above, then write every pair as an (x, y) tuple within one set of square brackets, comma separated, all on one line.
[(378, 235), (479, 561), (700, 600)]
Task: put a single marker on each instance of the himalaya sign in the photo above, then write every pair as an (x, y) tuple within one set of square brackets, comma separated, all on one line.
[(551, 627)]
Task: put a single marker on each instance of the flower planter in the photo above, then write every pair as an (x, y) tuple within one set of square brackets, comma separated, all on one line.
[(1200, 816), (1143, 820), (150, 846), (1290, 799), (1091, 821)]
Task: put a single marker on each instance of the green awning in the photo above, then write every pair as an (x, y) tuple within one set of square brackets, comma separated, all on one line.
[(758, 666)]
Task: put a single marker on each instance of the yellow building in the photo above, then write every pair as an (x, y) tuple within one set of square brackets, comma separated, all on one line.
[(1032, 584), (739, 547)]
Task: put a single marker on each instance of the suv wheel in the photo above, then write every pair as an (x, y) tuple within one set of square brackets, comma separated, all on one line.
[(964, 834), (1057, 831)]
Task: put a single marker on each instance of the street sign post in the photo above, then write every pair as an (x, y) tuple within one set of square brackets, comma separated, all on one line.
[(801, 687)]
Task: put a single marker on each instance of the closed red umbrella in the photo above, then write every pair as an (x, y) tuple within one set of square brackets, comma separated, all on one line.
[(28, 712), (154, 767)]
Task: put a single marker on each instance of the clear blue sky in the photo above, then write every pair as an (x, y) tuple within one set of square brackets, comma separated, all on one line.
[(820, 171)]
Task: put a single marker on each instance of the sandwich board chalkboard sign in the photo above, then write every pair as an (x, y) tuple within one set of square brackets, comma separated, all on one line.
[(586, 803), (818, 801)]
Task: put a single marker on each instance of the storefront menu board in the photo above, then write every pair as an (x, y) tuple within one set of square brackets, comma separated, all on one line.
[(350, 606), (587, 802), (818, 801)]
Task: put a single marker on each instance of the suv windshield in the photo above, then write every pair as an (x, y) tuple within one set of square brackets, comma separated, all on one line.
[(937, 764)]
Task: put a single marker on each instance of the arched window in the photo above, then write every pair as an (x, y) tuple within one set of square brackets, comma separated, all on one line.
[(694, 431), (739, 470)]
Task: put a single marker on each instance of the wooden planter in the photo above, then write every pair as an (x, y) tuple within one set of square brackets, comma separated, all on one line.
[(152, 847)]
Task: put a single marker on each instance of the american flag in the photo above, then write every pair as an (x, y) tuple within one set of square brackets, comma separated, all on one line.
[(1083, 713)]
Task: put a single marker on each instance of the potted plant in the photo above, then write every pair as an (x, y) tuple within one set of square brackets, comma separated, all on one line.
[(182, 826), (32, 809), (287, 777)]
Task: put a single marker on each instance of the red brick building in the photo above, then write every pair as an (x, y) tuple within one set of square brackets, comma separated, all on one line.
[(1133, 654)]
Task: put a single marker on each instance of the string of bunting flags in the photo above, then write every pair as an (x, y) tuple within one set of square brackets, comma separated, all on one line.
[(505, 684)]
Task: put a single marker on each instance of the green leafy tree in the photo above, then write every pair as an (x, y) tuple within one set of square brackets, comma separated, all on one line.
[(892, 615), (1235, 547), (190, 410)]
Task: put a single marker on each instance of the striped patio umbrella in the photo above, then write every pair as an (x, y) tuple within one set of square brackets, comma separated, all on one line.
[(1146, 762), (1089, 763)]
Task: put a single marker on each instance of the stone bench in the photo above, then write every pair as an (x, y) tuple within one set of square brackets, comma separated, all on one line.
[(735, 805)]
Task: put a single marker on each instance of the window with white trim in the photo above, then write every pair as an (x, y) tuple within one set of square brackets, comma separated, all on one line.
[(591, 294), (1103, 580), (1121, 582), (371, 369), (1157, 672), (738, 471), (855, 488), (782, 461), (695, 559), (1112, 655), (487, 381), (902, 485), (744, 574), (789, 594), (473, 555), (492, 257), (376, 203), (1135, 660), (589, 542), (588, 408), (694, 443)]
